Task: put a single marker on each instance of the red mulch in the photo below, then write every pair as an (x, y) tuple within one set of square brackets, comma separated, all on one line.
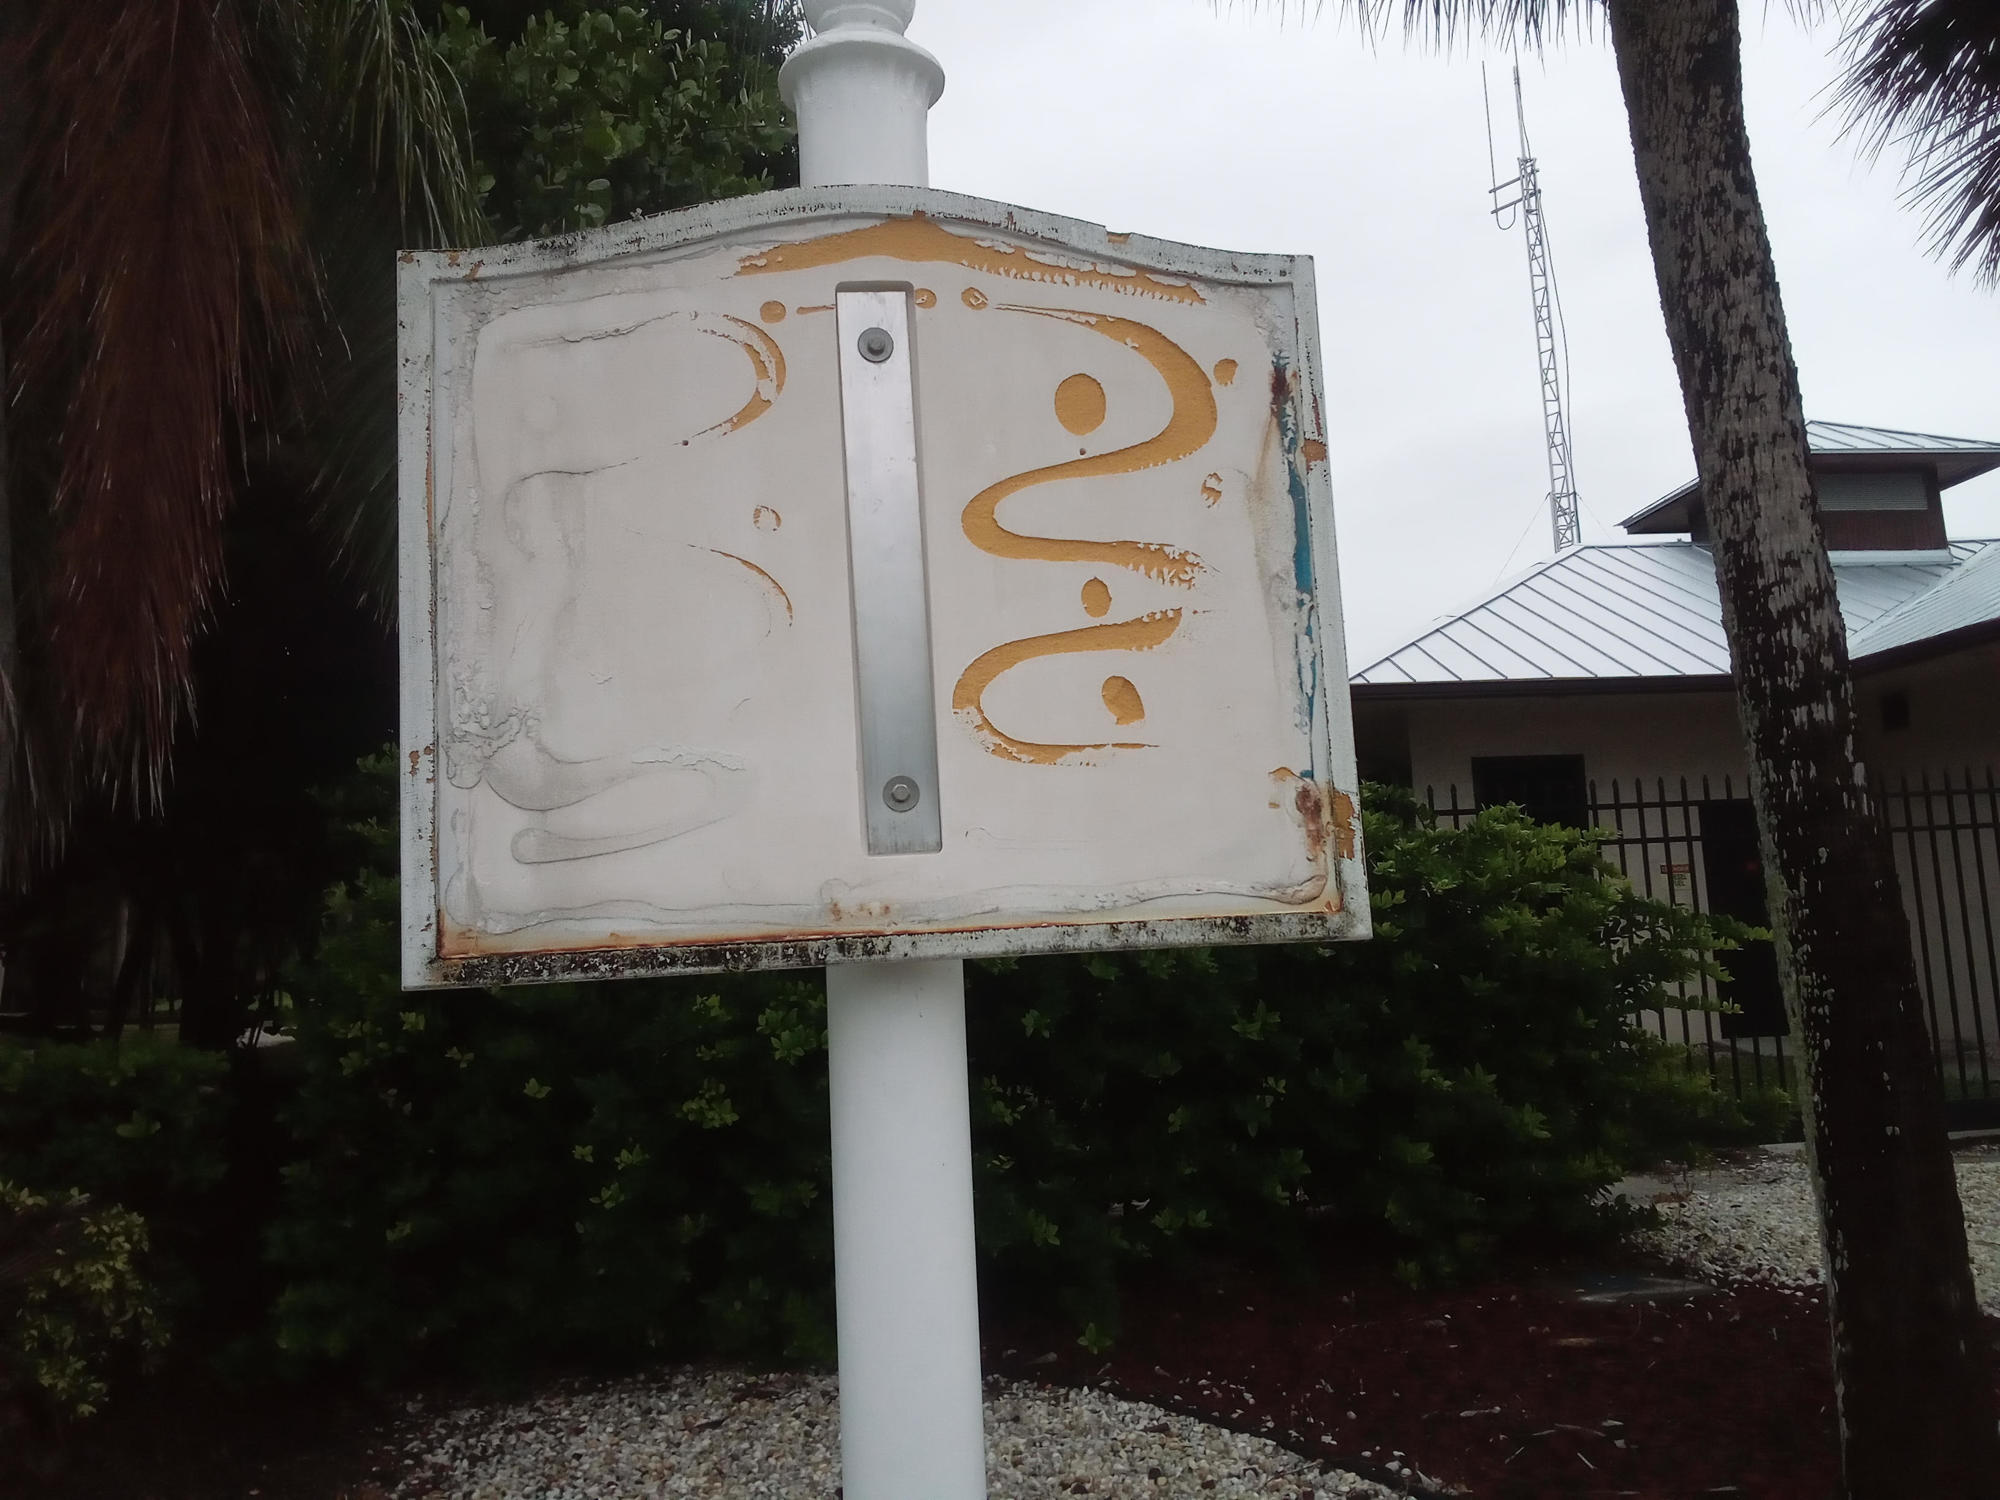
[(1510, 1389)]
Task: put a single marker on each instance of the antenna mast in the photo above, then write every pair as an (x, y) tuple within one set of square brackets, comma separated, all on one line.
[(1527, 191)]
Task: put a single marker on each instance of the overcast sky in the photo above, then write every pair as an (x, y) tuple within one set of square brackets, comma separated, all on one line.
[(1253, 131)]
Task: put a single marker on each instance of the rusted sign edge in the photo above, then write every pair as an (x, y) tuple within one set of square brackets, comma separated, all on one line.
[(1000, 942)]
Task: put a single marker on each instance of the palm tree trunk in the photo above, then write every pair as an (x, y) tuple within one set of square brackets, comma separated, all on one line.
[(13, 142), (1915, 1398)]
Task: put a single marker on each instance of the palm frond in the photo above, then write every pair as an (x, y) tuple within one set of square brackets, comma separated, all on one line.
[(379, 80), (162, 266), (1924, 75), (1444, 24)]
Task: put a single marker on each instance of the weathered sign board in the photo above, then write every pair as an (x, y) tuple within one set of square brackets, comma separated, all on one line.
[(864, 572)]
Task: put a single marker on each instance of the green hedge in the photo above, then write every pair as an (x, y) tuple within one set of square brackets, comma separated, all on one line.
[(641, 1167)]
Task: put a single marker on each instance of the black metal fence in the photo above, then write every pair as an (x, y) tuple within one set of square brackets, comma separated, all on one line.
[(1679, 842)]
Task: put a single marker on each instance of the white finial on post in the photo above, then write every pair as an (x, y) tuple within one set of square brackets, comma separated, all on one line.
[(861, 90)]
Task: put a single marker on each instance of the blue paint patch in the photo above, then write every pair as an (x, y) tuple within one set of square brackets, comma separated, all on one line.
[(1302, 558)]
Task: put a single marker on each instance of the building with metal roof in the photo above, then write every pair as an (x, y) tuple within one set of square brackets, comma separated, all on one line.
[(1594, 688)]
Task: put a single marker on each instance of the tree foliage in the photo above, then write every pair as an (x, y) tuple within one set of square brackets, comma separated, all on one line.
[(1924, 76), (596, 114)]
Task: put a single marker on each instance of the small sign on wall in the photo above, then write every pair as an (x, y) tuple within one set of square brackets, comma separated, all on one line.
[(864, 572)]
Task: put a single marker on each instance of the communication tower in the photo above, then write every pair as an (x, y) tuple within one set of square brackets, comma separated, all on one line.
[(1551, 352)]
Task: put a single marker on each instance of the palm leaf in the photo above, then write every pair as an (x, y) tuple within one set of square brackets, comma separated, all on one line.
[(375, 76), (1925, 75), (162, 268)]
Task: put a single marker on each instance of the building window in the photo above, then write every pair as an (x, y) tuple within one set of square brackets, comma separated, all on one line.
[(1548, 788)]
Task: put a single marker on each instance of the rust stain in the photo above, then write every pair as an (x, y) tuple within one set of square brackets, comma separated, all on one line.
[(416, 757), (477, 267), (1281, 388), (1225, 372), (1314, 450), (925, 297), (761, 574), (1123, 699), (772, 312), (1311, 806), (1343, 825), (1117, 236), (514, 958), (451, 257), (408, 257), (1211, 488), (921, 238), (1189, 427), (1080, 403), (766, 519), (1141, 634), (816, 307), (1097, 598)]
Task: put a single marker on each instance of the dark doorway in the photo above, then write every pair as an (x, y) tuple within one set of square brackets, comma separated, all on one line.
[(1548, 788), (1734, 868)]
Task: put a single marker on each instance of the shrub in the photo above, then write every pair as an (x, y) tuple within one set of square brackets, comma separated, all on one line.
[(612, 1170), (1468, 1080), (72, 1298), (640, 1167), (137, 1122)]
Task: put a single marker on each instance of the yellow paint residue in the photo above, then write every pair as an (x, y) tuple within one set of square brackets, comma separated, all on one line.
[(973, 298), (921, 238), (772, 312), (1225, 371), (1080, 404), (1188, 429), (967, 695), (816, 307), (1097, 598), (779, 587), (766, 519), (1123, 700), (925, 297), (1211, 488), (1314, 450), (1343, 825), (767, 361)]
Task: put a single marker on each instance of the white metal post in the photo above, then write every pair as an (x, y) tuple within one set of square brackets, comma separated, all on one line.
[(906, 1289), (907, 1301)]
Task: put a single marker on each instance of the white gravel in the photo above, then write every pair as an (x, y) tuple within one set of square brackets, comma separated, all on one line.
[(1754, 1221), (688, 1432)]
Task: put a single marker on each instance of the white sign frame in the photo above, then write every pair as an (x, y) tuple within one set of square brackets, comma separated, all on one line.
[(1341, 913)]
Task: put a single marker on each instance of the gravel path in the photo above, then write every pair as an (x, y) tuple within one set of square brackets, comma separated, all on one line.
[(688, 1432), (1755, 1221)]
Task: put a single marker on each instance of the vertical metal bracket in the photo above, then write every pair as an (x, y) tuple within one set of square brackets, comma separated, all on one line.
[(885, 550)]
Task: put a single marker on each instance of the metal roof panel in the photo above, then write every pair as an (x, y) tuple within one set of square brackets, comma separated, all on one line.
[(1651, 610)]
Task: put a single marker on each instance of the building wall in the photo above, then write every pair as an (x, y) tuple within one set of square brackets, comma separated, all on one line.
[(1949, 868), (1619, 736), (1954, 714)]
